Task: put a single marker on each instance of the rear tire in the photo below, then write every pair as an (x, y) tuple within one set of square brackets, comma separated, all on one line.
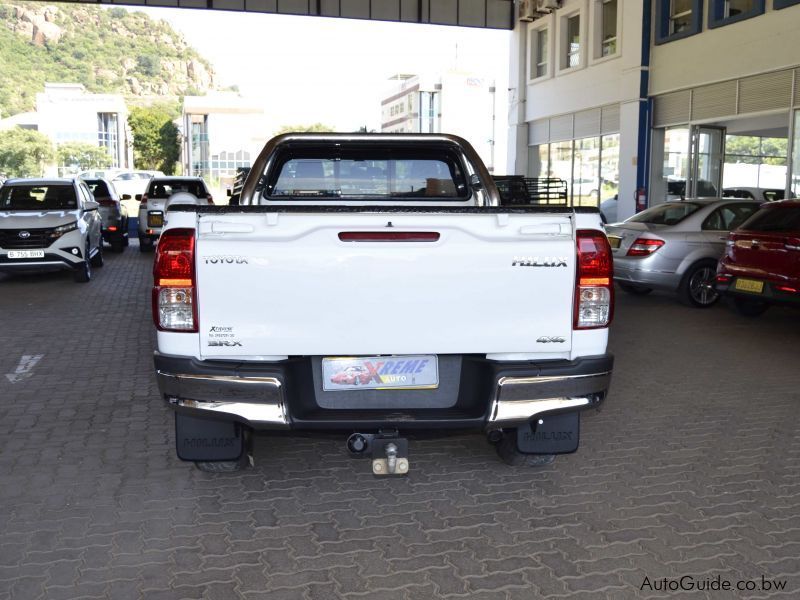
[(118, 244), (509, 454), (145, 244), (634, 290), (750, 308), (97, 259), (222, 466), (697, 286), (83, 274)]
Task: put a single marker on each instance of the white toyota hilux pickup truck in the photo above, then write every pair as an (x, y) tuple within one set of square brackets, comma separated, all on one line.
[(372, 285)]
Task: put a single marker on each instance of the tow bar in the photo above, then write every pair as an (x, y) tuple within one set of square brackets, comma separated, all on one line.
[(389, 453)]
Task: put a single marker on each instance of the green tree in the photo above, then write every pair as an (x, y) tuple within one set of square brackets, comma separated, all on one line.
[(314, 128), (155, 138), (24, 152), (80, 156)]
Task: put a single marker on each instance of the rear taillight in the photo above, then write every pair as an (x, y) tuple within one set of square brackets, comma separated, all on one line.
[(174, 291), (644, 247), (210, 199), (594, 292), (143, 202)]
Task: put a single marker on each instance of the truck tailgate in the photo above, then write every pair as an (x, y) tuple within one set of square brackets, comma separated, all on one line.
[(287, 284)]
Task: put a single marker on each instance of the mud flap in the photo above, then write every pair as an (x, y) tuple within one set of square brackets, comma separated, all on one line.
[(557, 434), (207, 440)]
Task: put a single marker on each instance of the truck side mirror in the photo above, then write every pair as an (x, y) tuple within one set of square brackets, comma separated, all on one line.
[(126, 196), (138, 197)]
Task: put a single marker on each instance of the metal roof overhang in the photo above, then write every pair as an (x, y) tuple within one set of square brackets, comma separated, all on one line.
[(487, 14)]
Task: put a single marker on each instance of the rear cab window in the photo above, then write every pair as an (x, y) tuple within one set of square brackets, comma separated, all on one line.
[(370, 172), (669, 213), (729, 216), (775, 218), (164, 189), (38, 197), (98, 188)]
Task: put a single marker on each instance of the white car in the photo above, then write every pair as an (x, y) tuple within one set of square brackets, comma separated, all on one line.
[(49, 224), (457, 312), (755, 193), (131, 185), (153, 207)]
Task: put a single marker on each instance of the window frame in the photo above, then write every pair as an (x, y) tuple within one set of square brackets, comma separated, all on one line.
[(717, 18), (781, 4), (597, 28), (533, 53), (664, 18)]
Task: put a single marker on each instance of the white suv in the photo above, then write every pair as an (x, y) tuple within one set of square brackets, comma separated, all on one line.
[(49, 224), (153, 206)]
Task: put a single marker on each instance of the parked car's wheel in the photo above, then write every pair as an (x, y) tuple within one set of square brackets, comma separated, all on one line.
[(83, 274), (508, 453), (145, 244), (749, 308), (697, 286), (97, 259), (636, 290)]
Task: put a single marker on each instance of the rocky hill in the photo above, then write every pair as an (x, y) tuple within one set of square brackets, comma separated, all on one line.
[(107, 50)]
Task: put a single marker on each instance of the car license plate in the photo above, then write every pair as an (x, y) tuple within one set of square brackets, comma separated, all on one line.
[(749, 285), (614, 241), (26, 254), (155, 219), (380, 373)]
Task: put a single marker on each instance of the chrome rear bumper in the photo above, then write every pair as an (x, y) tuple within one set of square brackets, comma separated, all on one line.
[(260, 399)]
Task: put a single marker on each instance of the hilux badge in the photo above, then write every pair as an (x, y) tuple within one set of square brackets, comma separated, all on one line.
[(550, 339), (539, 261)]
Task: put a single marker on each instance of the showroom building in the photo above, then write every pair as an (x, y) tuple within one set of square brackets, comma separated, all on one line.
[(657, 99)]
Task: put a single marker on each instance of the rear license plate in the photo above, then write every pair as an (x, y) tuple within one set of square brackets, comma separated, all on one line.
[(155, 219), (614, 241), (749, 285), (380, 373), (26, 254)]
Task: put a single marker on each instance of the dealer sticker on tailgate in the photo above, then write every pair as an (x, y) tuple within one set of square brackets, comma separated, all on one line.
[(380, 372)]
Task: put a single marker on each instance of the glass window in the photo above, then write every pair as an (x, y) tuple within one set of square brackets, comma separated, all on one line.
[(609, 166), (37, 197), (608, 28), (98, 188), (731, 8), (795, 182), (669, 213), (676, 160), (379, 173), (680, 16), (586, 172), (775, 218), (541, 53), (754, 161), (561, 161), (729, 216), (573, 57), (539, 161), (165, 188)]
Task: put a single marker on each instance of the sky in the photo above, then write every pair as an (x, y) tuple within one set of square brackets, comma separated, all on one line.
[(335, 71)]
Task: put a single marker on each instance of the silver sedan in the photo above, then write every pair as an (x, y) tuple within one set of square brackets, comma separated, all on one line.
[(675, 247)]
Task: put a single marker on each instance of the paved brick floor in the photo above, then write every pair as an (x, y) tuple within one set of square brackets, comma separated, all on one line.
[(692, 469)]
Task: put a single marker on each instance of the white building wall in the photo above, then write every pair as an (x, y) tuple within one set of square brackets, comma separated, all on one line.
[(67, 113), (597, 82), (760, 44)]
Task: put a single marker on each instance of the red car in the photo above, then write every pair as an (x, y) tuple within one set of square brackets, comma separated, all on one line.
[(761, 265), (352, 375)]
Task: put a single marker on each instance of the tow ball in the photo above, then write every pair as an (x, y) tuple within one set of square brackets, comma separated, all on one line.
[(388, 452)]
